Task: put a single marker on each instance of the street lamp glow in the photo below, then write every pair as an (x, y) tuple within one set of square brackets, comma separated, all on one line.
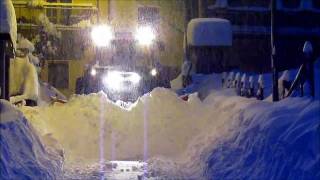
[(145, 35), (153, 72), (101, 35)]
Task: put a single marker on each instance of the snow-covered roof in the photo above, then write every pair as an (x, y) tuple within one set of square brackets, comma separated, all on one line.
[(209, 32), (8, 22)]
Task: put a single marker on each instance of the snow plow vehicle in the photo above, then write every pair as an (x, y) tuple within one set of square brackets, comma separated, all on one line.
[(126, 66)]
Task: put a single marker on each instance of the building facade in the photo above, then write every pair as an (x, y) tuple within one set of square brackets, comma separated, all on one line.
[(296, 21)]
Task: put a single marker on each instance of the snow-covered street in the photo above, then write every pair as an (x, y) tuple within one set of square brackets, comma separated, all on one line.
[(185, 139)]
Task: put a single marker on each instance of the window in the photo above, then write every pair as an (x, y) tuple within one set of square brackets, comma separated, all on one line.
[(148, 15), (52, 13), (259, 3), (291, 3), (59, 16), (58, 75), (65, 13)]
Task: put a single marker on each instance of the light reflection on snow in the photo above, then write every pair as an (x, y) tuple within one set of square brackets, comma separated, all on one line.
[(101, 139)]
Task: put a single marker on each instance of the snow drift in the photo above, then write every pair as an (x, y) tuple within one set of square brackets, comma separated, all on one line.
[(155, 125), (22, 154), (249, 139), (223, 137), (271, 141)]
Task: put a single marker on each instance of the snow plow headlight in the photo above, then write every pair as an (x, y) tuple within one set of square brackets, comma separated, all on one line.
[(153, 72), (145, 35), (115, 79), (93, 72)]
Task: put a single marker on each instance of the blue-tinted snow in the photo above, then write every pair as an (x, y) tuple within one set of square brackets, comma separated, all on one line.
[(22, 155), (273, 141)]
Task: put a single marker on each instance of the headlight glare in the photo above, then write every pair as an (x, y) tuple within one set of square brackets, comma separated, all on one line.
[(102, 35)]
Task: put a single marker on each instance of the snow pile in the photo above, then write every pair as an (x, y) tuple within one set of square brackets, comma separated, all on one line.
[(8, 23), (249, 139), (271, 141), (23, 80), (209, 32), (224, 136), (22, 154), (148, 128)]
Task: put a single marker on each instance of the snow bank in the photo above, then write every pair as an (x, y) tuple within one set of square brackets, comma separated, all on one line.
[(272, 141), (23, 156), (248, 139), (209, 32), (8, 23), (223, 137), (78, 124)]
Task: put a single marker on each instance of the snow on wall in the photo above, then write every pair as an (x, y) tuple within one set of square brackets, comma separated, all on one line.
[(22, 154), (209, 32), (8, 22), (23, 80)]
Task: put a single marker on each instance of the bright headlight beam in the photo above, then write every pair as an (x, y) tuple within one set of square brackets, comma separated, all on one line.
[(93, 72), (101, 35), (135, 78), (153, 72), (145, 35), (113, 80)]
